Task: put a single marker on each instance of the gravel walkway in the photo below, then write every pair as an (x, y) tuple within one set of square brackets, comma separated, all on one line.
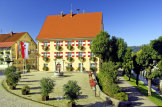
[(134, 95)]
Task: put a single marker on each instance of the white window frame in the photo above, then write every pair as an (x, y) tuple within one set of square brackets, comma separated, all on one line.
[(69, 42), (80, 54), (80, 43), (58, 43), (58, 53), (45, 54), (69, 54)]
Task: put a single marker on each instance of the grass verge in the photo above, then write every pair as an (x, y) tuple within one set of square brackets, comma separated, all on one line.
[(143, 89)]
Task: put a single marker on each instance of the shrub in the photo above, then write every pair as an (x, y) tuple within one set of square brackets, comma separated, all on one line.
[(69, 68), (80, 47), (45, 48), (58, 47), (70, 47), (8, 59), (93, 69), (71, 90), (7, 52), (93, 59), (1, 59), (45, 68), (69, 59), (45, 59), (9, 70), (58, 57), (121, 96), (81, 59), (1, 52), (25, 90), (47, 86), (28, 67), (12, 79)]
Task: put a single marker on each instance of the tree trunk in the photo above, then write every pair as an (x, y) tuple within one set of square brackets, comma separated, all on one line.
[(149, 86), (137, 78), (129, 75)]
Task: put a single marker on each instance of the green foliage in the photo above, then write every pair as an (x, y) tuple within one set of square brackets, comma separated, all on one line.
[(47, 86), (70, 47), (13, 79), (25, 88), (58, 47), (45, 48), (28, 67), (93, 59), (121, 96), (81, 59), (69, 68), (157, 44), (93, 69), (1, 59), (58, 57), (45, 59), (100, 45), (1, 52), (69, 59), (71, 90), (45, 68), (7, 52), (80, 47), (160, 65), (8, 59), (9, 70), (156, 74)]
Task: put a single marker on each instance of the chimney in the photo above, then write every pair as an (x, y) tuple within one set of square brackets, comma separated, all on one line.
[(61, 14), (71, 13), (83, 11), (11, 33)]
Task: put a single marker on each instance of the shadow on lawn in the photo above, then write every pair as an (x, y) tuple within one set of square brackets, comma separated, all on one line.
[(24, 84), (34, 93), (97, 104), (35, 88), (31, 81), (83, 96), (28, 75)]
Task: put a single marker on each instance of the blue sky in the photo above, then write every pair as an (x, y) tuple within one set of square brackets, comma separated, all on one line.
[(136, 21)]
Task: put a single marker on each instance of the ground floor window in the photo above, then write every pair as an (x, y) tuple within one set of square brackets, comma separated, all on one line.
[(45, 65), (93, 65), (69, 64)]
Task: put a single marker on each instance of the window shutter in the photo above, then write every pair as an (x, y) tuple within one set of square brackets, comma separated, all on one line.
[(61, 43), (65, 43), (76, 54), (89, 54), (54, 54), (72, 54), (72, 43), (76, 43), (88, 42), (66, 54), (48, 43), (42, 54), (83, 42), (54, 43), (42, 44), (48, 54), (84, 53), (61, 54)]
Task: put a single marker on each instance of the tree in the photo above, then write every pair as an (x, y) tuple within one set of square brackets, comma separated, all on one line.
[(71, 91), (128, 61), (146, 60), (100, 45)]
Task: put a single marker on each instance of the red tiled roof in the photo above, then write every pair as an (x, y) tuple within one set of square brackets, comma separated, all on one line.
[(78, 26), (9, 38), (6, 44)]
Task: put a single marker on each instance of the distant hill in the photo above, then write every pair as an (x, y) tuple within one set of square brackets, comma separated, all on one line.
[(135, 48)]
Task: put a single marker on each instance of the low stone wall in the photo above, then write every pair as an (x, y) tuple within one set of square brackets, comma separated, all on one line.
[(108, 99)]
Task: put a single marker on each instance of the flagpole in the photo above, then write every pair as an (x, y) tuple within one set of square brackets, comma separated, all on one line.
[(23, 66)]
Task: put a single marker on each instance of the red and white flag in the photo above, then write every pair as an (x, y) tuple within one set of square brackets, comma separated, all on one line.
[(23, 50)]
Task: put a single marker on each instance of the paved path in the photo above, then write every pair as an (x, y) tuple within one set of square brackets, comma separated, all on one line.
[(9, 100), (134, 95)]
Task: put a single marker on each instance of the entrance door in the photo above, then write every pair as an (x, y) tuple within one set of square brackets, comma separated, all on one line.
[(58, 67)]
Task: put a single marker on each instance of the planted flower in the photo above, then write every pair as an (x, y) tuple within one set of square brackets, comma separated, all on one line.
[(93, 59), (45, 68), (25, 90), (1, 52), (80, 47), (70, 47), (45, 59), (81, 59), (58, 57)]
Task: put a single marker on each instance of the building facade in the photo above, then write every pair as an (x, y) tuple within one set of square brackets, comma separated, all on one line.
[(64, 42), (8, 51)]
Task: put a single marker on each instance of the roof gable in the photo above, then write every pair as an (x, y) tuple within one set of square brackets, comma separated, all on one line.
[(78, 26)]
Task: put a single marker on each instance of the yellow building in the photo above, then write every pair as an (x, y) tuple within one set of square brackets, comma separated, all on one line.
[(8, 51), (64, 42)]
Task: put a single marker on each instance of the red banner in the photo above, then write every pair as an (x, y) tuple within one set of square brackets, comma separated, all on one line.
[(23, 50)]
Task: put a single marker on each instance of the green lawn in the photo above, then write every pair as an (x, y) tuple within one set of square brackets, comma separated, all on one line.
[(143, 89)]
